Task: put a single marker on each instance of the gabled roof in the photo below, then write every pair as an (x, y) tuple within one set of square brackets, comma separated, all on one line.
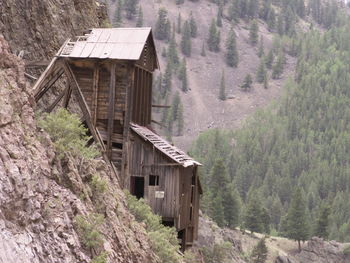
[(163, 146), (111, 43)]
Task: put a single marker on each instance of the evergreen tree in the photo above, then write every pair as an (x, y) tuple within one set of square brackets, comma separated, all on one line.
[(172, 55), (179, 23), (139, 22), (186, 39), (214, 37), (277, 68), (271, 20), (280, 25), (261, 73), (261, 51), (130, 8), (265, 219), (253, 32), (180, 120), (193, 26), (219, 15), (117, 20), (179, 2), (247, 83), (297, 227), (231, 55), (233, 11), (183, 76), (162, 27), (217, 213), (322, 223), (259, 253), (175, 106), (166, 80), (232, 205), (253, 8), (266, 81), (222, 93), (252, 220), (269, 59), (203, 50)]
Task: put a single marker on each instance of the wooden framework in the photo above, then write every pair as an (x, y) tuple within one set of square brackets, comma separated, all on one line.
[(115, 98)]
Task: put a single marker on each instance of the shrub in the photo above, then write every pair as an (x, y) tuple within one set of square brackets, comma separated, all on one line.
[(88, 229), (346, 250), (102, 258), (218, 253), (68, 134), (98, 185), (163, 239)]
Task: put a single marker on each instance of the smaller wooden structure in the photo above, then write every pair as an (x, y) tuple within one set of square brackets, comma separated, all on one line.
[(109, 73)]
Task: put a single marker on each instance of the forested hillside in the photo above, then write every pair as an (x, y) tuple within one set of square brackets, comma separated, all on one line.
[(288, 167)]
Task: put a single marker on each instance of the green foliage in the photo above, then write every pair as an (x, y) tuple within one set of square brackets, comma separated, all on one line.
[(261, 74), (259, 253), (322, 223), (172, 55), (162, 27), (117, 19), (102, 258), (179, 23), (297, 226), (68, 134), (193, 26), (346, 250), (219, 15), (203, 50), (139, 21), (247, 83), (218, 253), (183, 76), (214, 37), (253, 215), (88, 228), (222, 92), (253, 32), (186, 39), (163, 239), (231, 55), (130, 8), (98, 185)]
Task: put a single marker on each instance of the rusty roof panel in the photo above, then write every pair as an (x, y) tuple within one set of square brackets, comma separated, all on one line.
[(163, 146)]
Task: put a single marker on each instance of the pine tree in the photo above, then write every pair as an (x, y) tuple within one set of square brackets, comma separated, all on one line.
[(203, 50), (266, 81), (277, 68), (193, 26), (175, 106), (139, 22), (166, 81), (232, 205), (231, 50), (280, 25), (179, 2), (222, 93), (297, 227), (233, 11), (183, 76), (219, 15), (217, 213), (261, 73), (253, 32), (247, 83), (259, 253), (269, 59), (117, 20), (162, 27), (130, 8), (179, 23), (214, 37), (180, 120), (186, 40), (261, 50), (322, 223), (271, 20), (253, 8), (172, 51), (252, 220)]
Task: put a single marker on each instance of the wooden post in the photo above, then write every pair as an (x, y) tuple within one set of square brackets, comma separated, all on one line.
[(111, 110), (67, 96), (95, 93), (58, 99), (128, 113)]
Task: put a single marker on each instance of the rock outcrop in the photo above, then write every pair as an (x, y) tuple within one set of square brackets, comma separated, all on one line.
[(40, 194), (39, 28)]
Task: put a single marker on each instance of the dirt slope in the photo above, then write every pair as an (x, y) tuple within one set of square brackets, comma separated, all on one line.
[(202, 108)]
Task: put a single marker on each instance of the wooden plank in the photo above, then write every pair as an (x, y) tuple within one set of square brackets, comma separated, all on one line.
[(127, 117), (95, 93), (45, 87), (67, 96), (58, 99), (111, 109), (160, 106)]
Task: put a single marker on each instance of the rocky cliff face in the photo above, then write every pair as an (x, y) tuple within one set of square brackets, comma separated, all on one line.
[(40, 27), (39, 193)]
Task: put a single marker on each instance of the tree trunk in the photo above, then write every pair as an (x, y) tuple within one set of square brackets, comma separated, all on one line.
[(299, 246)]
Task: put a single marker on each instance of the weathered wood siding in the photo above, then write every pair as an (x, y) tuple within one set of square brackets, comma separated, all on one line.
[(141, 160)]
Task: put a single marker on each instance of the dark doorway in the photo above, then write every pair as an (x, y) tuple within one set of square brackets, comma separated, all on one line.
[(137, 185)]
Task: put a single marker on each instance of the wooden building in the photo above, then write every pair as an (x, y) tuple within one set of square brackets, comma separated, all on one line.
[(109, 72)]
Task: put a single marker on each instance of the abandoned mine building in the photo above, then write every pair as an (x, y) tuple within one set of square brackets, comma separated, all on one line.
[(108, 72)]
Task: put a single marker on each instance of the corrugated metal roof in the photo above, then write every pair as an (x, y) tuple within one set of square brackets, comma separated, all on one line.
[(112, 43), (162, 145)]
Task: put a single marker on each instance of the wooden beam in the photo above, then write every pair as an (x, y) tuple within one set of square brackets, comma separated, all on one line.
[(30, 76), (67, 95), (160, 106), (111, 110), (161, 125), (33, 64), (44, 88), (162, 164), (95, 93), (58, 99)]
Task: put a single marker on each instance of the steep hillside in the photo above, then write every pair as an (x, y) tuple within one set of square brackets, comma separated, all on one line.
[(202, 108), (41, 194)]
